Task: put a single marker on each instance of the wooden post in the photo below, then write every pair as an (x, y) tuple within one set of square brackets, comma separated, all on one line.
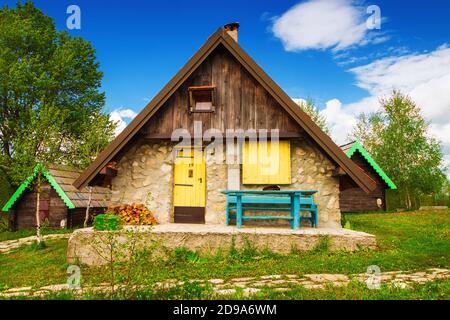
[(295, 210), (38, 200), (239, 210), (86, 218)]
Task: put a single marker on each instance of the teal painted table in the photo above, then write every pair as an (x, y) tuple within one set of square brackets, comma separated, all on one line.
[(294, 201)]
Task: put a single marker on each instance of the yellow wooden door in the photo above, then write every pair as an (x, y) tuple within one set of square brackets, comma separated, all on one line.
[(189, 179)]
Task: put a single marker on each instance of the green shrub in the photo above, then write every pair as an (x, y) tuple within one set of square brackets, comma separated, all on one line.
[(106, 222)]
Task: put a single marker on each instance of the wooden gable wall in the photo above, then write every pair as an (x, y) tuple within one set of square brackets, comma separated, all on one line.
[(352, 198), (241, 102)]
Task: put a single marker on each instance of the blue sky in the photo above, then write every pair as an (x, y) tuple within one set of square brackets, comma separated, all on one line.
[(318, 49)]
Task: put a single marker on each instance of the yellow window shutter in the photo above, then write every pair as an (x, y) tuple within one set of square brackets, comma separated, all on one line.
[(266, 163)]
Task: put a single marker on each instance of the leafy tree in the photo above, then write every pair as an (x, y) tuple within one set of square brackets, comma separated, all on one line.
[(310, 109), (51, 109), (46, 74), (397, 136), (367, 130)]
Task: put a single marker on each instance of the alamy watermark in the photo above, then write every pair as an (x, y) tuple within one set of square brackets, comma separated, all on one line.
[(374, 21), (373, 280), (73, 21), (74, 279)]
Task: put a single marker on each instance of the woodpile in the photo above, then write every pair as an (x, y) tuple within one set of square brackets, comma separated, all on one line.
[(133, 214)]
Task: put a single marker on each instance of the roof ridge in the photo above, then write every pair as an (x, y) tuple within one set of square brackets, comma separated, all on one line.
[(358, 146), (27, 182)]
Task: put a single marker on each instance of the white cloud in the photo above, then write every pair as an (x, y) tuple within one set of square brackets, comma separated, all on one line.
[(299, 101), (340, 121), (119, 115), (424, 76), (324, 24)]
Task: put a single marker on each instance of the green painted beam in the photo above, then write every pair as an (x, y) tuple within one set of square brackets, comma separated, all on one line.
[(374, 165), (16, 195)]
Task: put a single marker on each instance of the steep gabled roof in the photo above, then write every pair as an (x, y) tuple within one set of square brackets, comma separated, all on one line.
[(221, 37), (61, 178), (352, 147)]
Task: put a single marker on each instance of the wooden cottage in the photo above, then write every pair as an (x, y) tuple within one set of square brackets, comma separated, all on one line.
[(218, 100), (61, 204), (353, 198)]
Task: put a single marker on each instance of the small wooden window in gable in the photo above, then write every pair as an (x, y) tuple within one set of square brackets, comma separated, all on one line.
[(202, 99), (266, 162)]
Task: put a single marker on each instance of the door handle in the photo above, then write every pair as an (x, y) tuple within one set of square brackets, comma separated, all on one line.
[(200, 179)]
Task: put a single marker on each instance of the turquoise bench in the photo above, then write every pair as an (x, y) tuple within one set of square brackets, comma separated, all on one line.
[(293, 201)]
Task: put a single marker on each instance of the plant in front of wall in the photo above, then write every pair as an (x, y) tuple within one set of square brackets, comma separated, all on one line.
[(126, 254)]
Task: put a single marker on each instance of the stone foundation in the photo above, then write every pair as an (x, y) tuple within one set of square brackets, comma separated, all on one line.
[(91, 247)]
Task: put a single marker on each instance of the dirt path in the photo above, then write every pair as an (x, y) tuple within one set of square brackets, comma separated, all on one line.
[(248, 285)]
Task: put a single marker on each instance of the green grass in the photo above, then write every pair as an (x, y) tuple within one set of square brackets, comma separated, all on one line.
[(437, 290), (13, 235), (29, 266), (407, 241)]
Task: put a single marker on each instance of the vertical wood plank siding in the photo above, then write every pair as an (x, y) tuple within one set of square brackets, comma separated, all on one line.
[(354, 199), (241, 102)]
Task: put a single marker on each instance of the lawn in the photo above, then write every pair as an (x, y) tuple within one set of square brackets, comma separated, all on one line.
[(407, 241)]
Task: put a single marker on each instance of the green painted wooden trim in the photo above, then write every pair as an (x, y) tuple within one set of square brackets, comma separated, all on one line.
[(28, 180), (375, 166)]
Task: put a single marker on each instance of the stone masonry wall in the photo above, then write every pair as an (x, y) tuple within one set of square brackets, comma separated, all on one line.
[(145, 175), (310, 170)]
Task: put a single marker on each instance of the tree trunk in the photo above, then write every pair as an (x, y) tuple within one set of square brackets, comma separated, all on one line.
[(86, 218), (408, 200), (38, 202)]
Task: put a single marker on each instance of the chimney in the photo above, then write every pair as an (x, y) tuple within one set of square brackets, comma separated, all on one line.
[(232, 30)]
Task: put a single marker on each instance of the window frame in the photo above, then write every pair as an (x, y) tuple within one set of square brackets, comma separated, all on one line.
[(192, 90), (284, 175)]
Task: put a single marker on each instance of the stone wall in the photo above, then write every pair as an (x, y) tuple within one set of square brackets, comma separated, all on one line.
[(312, 170), (90, 247), (145, 175)]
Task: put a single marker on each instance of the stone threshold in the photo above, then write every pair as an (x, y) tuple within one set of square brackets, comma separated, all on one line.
[(230, 230)]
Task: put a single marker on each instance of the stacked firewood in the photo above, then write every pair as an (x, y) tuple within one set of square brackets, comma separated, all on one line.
[(133, 214)]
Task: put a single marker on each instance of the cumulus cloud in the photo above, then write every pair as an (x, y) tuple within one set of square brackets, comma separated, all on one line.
[(424, 76), (324, 24), (339, 120), (119, 116)]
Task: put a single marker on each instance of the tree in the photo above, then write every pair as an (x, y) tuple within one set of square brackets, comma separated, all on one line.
[(367, 130), (311, 110), (51, 106), (397, 137), (46, 71)]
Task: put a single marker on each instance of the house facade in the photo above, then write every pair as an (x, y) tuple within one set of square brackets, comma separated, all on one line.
[(221, 123)]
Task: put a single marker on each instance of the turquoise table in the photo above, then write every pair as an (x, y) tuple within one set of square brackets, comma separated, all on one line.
[(294, 201)]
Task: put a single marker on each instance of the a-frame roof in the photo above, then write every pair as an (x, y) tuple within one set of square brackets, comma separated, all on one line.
[(352, 147), (222, 37), (39, 168), (61, 179)]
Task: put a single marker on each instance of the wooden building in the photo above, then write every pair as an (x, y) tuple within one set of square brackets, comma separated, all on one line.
[(353, 198), (220, 95), (61, 204)]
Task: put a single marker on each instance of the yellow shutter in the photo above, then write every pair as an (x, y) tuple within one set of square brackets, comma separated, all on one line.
[(266, 163)]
